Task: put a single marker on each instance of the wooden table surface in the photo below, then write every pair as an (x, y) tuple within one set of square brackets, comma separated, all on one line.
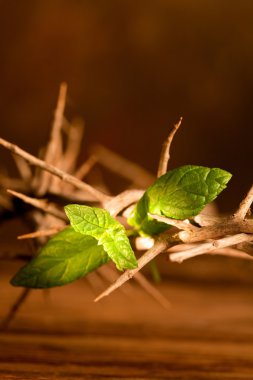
[(62, 334), (207, 333)]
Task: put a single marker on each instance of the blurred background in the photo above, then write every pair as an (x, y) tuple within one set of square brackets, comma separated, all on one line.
[(133, 68)]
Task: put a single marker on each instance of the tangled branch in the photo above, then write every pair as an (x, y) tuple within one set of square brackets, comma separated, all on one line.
[(58, 174)]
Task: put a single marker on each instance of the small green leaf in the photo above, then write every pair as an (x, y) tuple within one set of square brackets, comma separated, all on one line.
[(98, 223), (181, 193), (68, 256)]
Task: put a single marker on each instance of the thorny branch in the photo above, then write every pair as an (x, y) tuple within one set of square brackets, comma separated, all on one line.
[(165, 154), (244, 205), (121, 166), (40, 204), (14, 308), (231, 236), (54, 146), (98, 195), (60, 163), (235, 227)]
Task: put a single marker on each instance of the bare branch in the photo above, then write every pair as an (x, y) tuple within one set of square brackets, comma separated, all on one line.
[(123, 200), (86, 167), (152, 290), (158, 247), (23, 168), (211, 246), (244, 205), (207, 220), (95, 282), (73, 195), (180, 224), (14, 183), (123, 167), (232, 252), (227, 227), (128, 211), (14, 309), (39, 203), (204, 233), (165, 154), (109, 274), (54, 147), (40, 233), (55, 171), (97, 179), (74, 140)]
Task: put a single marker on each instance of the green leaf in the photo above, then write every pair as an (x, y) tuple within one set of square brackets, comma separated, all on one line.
[(67, 257), (181, 193), (98, 223)]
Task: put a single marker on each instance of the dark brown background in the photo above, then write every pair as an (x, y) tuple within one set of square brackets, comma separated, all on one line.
[(133, 67)]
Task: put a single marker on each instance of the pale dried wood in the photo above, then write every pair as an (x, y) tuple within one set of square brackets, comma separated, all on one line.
[(122, 201), (152, 291), (244, 205), (73, 146), (23, 168), (14, 309), (54, 147), (165, 154), (86, 167), (40, 204), (158, 247), (227, 227), (123, 167), (55, 171), (210, 246), (40, 233), (180, 224)]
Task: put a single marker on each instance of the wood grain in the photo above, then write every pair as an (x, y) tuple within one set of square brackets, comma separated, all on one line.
[(207, 334)]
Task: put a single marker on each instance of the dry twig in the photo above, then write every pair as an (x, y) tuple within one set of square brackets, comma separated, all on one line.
[(240, 230), (232, 252), (180, 224), (86, 167), (152, 291), (244, 205), (55, 171), (23, 168), (14, 309), (40, 233), (73, 147), (123, 167), (207, 220), (54, 147), (227, 227), (228, 235), (160, 246), (165, 154), (123, 200), (40, 203), (211, 246)]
